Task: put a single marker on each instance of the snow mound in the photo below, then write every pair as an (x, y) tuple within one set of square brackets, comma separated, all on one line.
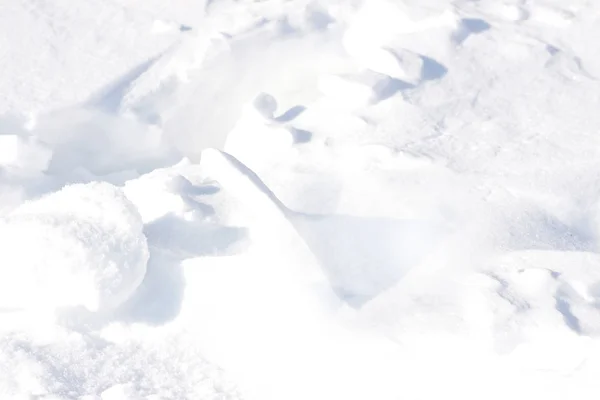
[(81, 246)]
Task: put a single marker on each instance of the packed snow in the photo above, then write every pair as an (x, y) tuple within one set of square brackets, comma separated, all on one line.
[(299, 199), (81, 246)]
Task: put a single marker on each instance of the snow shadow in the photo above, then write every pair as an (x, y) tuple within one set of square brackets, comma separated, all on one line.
[(363, 257), (564, 308), (468, 27), (300, 135), (391, 87), (110, 97), (432, 69), (290, 114), (171, 240)]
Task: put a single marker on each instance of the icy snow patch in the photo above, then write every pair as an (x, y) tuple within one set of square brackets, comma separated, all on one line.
[(80, 246)]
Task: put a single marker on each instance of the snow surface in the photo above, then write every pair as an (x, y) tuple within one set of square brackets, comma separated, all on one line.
[(301, 199), (80, 246)]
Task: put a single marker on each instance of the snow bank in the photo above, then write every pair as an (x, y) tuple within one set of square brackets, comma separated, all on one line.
[(81, 246)]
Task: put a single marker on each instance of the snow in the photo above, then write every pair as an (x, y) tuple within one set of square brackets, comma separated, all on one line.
[(299, 199), (80, 246)]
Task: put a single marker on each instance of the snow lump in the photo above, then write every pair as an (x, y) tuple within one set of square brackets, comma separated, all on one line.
[(81, 246)]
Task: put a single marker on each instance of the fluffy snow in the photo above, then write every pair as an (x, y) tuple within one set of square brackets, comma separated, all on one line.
[(303, 199), (80, 246)]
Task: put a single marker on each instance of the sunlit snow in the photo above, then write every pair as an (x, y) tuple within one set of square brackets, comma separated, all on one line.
[(299, 199)]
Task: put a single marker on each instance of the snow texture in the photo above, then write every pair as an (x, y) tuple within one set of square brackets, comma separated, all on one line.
[(80, 246), (300, 199)]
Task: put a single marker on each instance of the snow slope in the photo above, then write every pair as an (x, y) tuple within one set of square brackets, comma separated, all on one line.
[(301, 199)]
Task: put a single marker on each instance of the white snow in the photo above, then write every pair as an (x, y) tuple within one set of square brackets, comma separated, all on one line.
[(10, 149), (80, 246), (300, 199)]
